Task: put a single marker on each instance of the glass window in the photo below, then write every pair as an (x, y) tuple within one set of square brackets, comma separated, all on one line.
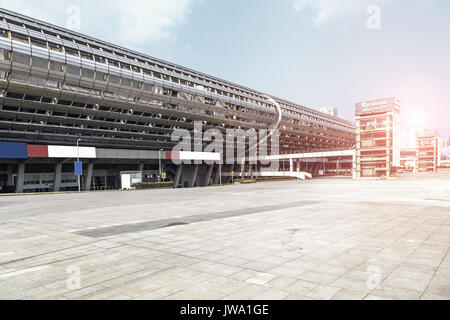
[(71, 69), (19, 37), (56, 66), (39, 62), (38, 43), (125, 66), (137, 84), (114, 79), (37, 81), (21, 58), (72, 52), (19, 77), (87, 73), (4, 55), (148, 87), (55, 47), (101, 76), (86, 55), (3, 33), (126, 82), (99, 59), (113, 63)]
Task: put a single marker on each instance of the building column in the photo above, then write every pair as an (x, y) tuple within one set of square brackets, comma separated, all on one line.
[(231, 179), (20, 177), (252, 172), (10, 176), (194, 176), (291, 165), (217, 176), (178, 175), (315, 169), (88, 180), (209, 174), (57, 177), (141, 166)]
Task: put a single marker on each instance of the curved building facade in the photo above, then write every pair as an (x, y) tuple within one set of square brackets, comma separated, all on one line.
[(59, 86)]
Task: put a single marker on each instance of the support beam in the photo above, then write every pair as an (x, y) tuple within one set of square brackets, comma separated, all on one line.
[(217, 176), (316, 169), (231, 179), (291, 165), (88, 180), (209, 174), (178, 175), (20, 177), (10, 176), (242, 170), (141, 166), (57, 177), (194, 176)]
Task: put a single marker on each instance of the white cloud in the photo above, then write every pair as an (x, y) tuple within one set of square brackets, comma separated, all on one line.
[(333, 9), (152, 20), (325, 9), (132, 22)]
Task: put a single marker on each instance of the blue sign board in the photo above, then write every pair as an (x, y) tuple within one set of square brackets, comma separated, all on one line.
[(78, 168), (13, 150)]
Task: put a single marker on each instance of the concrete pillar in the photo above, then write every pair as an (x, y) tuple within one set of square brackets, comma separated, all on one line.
[(141, 166), (57, 177), (88, 180), (194, 176), (10, 176), (178, 175), (230, 179), (291, 165), (20, 177), (316, 169), (209, 174), (299, 168), (217, 176)]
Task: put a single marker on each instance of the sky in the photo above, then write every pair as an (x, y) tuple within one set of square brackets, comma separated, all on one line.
[(313, 52)]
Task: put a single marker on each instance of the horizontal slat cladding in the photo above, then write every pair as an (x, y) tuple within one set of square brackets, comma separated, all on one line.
[(13, 150), (37, 151), (60, 90)]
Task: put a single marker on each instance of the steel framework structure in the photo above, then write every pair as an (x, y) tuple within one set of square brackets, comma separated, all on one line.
[(57, 86)]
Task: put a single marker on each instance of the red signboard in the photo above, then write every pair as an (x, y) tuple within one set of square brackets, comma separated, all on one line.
[(36, 151)]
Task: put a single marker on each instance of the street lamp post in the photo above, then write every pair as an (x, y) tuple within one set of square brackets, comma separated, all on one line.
[(78, 160), (220, 169), (160, 170)]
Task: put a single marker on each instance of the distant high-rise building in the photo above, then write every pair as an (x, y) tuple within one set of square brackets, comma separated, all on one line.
[(428, 154), (445, 142), (330, 110), (408, 149), (408, 138), (377, 137)]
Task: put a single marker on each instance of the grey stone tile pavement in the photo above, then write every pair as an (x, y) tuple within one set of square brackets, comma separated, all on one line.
[(330, 238)]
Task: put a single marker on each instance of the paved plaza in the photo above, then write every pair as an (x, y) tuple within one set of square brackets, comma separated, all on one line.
[(328, 238)]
